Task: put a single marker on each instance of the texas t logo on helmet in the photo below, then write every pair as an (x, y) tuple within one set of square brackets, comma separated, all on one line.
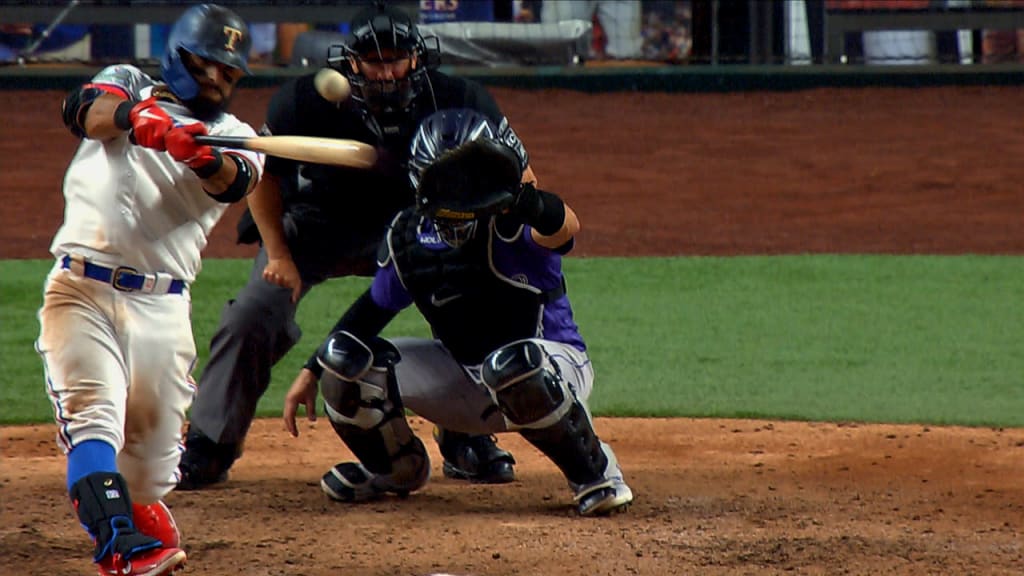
[(233, 36)]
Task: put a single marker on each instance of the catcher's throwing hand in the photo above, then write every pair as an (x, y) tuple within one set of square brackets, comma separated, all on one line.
[(303, 391), (283, 272)]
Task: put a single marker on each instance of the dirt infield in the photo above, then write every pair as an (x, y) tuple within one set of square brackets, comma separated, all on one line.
[(868, 171)]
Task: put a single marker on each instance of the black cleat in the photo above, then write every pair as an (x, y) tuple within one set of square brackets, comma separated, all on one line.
[(474, 458), (205, 462)]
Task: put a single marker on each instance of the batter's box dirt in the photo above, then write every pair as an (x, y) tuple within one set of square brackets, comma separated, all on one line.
[(713, 497)]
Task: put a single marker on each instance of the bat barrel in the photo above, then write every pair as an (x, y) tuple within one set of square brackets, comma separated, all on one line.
[(314, 150)]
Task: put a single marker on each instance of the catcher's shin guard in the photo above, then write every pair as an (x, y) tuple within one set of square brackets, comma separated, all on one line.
[(355, 482), (391, 459), (362, 403), (588, 463), (533, 396), (609, 495)]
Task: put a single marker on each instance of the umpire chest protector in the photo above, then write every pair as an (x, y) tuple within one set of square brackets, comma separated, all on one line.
[(472, 307)]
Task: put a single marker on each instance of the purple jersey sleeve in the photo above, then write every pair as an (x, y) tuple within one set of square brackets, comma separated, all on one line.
[(387, 290), (520, 258)]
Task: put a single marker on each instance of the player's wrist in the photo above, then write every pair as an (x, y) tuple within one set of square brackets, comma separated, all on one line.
[(207, 165), (313, 365), (544, 211), (123, 115)]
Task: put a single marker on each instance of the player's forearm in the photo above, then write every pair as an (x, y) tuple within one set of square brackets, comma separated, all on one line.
[(267, 208), (225, 176), (570, 227), (529, 176), (100, 123)]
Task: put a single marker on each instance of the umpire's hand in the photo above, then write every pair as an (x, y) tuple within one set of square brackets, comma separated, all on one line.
[(303, 391), (283, 272)]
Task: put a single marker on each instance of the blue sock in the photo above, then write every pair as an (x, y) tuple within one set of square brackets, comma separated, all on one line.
[(88, 457)]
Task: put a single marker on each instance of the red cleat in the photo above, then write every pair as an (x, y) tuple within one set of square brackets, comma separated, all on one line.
[(155, 520), (158, 562)]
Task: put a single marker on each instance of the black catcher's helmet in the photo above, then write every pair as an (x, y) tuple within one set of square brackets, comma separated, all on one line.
[(209, 31), (461, 172), (383, 34)]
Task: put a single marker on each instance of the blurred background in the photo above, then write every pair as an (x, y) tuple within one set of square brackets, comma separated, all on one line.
[(497, 33)]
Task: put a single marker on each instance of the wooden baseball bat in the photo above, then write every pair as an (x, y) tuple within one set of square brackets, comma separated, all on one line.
[(333, 151)]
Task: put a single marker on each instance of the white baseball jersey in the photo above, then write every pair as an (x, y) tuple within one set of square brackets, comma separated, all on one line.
[(118, 362), (126, 205)]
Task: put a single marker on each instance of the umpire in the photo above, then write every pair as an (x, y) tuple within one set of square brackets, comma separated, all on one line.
[(316, 222)]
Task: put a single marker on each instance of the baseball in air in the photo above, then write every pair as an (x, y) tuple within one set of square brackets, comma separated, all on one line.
[(332, 85)]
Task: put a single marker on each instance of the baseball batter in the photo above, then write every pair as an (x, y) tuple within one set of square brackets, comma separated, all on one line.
[(115, 338), (479, 255)]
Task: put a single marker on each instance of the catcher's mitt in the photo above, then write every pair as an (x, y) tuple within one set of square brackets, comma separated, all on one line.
[(473, 181)]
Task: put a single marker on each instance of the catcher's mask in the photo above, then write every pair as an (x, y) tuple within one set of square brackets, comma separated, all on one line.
[(461, 173), (454, 233), (208, 31), (384, 38)]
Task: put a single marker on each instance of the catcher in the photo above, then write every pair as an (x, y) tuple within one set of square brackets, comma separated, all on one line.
[(479, 254)]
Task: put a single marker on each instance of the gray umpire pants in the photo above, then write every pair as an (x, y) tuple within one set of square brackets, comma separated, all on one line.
[(257, 328)]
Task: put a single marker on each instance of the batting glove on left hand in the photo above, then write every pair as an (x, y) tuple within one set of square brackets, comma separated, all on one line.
[(149, 124), (183, 147)]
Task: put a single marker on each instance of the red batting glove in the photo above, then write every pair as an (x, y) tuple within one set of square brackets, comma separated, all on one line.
[(149, 124), (183, 147)]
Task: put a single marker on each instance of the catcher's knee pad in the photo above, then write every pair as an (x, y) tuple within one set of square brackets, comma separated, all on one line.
[(357, 378), (526, 385)]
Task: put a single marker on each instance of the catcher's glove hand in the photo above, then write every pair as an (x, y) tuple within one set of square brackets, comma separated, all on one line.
[(474, 181)]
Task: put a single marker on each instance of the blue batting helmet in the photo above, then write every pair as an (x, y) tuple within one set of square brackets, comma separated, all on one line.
[(208, 31)]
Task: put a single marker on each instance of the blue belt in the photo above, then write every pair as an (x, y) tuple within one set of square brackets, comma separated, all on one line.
[(124, 278)]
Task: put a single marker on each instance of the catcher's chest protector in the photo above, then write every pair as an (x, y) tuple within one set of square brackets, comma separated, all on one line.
[(469, 307)]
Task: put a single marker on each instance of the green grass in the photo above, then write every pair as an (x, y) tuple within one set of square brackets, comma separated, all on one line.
[(926, 339)]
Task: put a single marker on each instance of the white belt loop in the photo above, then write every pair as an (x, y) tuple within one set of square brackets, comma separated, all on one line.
[(77, 265), (158, 283)]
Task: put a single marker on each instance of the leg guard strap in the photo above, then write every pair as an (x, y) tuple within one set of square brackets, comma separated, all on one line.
[(572, 445)]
